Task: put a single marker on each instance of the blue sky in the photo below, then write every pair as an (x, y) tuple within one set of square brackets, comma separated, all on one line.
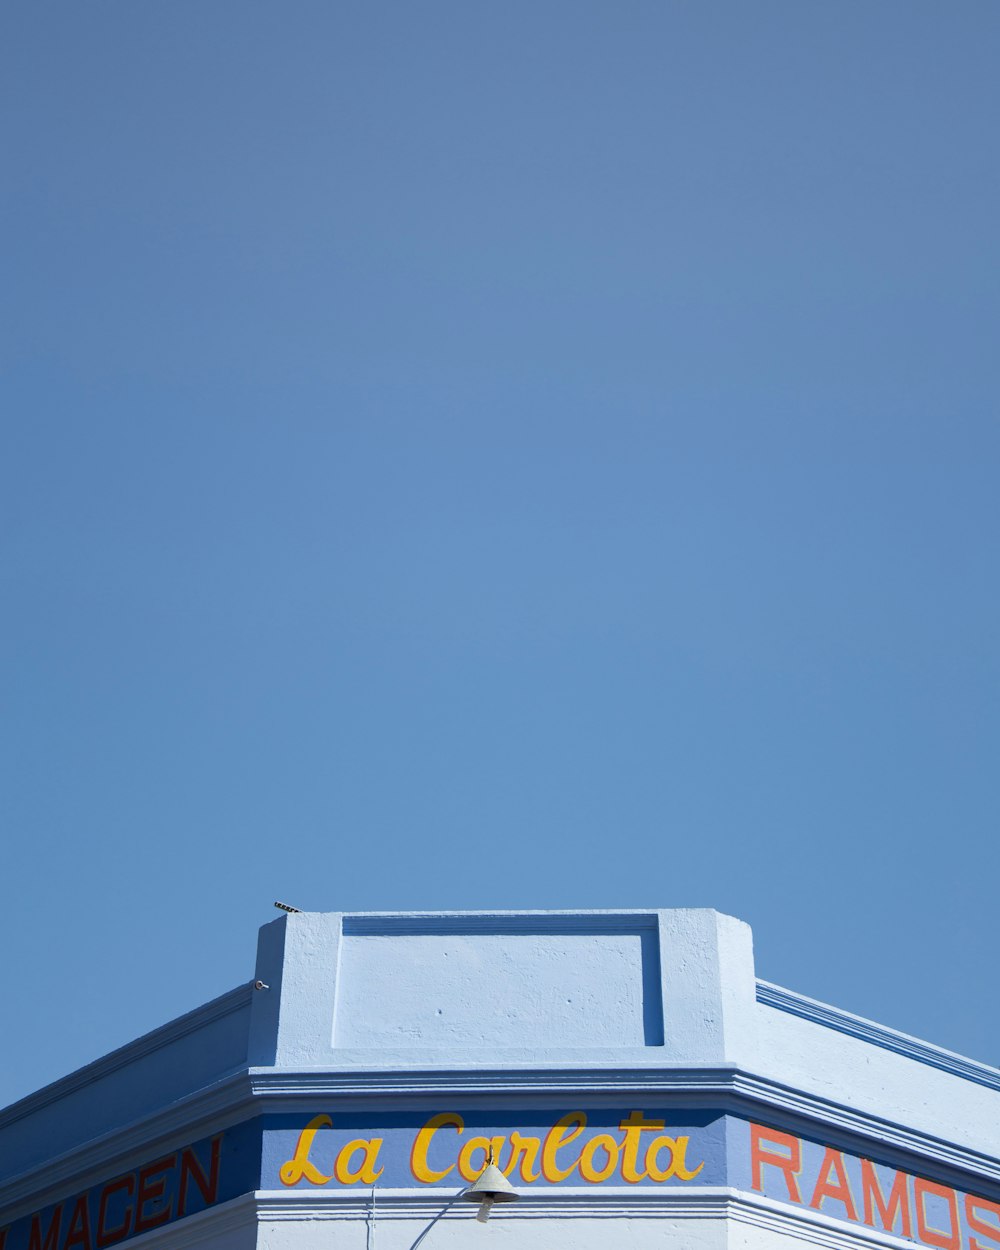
[(465, 455)]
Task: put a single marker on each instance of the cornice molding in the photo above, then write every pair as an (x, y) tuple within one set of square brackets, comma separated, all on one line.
[(259, 1091), (601, 1201), (817, 1115), (806, 1225), (727, 1087), (273, 1082), (812, 1009), (604, 1202), (165, 1035), (608, 1202)]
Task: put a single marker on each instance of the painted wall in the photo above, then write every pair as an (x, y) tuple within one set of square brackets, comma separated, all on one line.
[(607, 988), (630, 1072)]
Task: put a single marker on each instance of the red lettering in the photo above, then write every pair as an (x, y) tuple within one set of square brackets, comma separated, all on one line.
[(78, 1233), (51, 1237), (789, 1164), (107, 1236), (151, 1186), (898, 1205), (947, 1240), (192, 1169), (973, 1206), (833, 1161)]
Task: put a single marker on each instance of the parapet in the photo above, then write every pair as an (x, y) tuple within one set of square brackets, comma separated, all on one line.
[(586, 989)]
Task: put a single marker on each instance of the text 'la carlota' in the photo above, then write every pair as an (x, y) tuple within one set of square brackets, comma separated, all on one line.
[(639, 1150)]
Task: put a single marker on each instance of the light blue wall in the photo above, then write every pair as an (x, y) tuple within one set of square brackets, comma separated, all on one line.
[(383, 1020), (611, 989)]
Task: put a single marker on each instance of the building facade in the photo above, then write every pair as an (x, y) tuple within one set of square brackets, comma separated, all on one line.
[(626, 1070)]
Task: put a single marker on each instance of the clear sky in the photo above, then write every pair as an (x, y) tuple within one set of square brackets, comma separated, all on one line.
[(464, 455)]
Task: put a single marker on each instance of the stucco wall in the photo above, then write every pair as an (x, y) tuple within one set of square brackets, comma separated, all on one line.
[(370, 1025), (878, 1080), (461, 1232)]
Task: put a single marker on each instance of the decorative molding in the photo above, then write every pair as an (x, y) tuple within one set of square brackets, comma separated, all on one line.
[(606, 1202), (260, 1091), (727, 1088), (877, 1034), (823, 1118), (619, 1202), (165, 1035), (806, 1225), (423, 1082), (609, 1202)]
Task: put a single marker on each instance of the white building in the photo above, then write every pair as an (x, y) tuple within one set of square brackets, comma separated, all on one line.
[(636, 1082)]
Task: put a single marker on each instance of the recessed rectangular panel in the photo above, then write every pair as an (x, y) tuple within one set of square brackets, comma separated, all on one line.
[(452, 984)]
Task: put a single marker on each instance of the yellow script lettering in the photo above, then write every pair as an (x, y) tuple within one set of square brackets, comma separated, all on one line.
[(678, 1159), (523, 1148), (299, 1165), (558, 1136), (633, 1127), (419, 1166), (488, 1145), (588, 1170), (347, 1175)]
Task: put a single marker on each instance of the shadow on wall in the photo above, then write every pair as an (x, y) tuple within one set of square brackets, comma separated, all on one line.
[(447, 1206)]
